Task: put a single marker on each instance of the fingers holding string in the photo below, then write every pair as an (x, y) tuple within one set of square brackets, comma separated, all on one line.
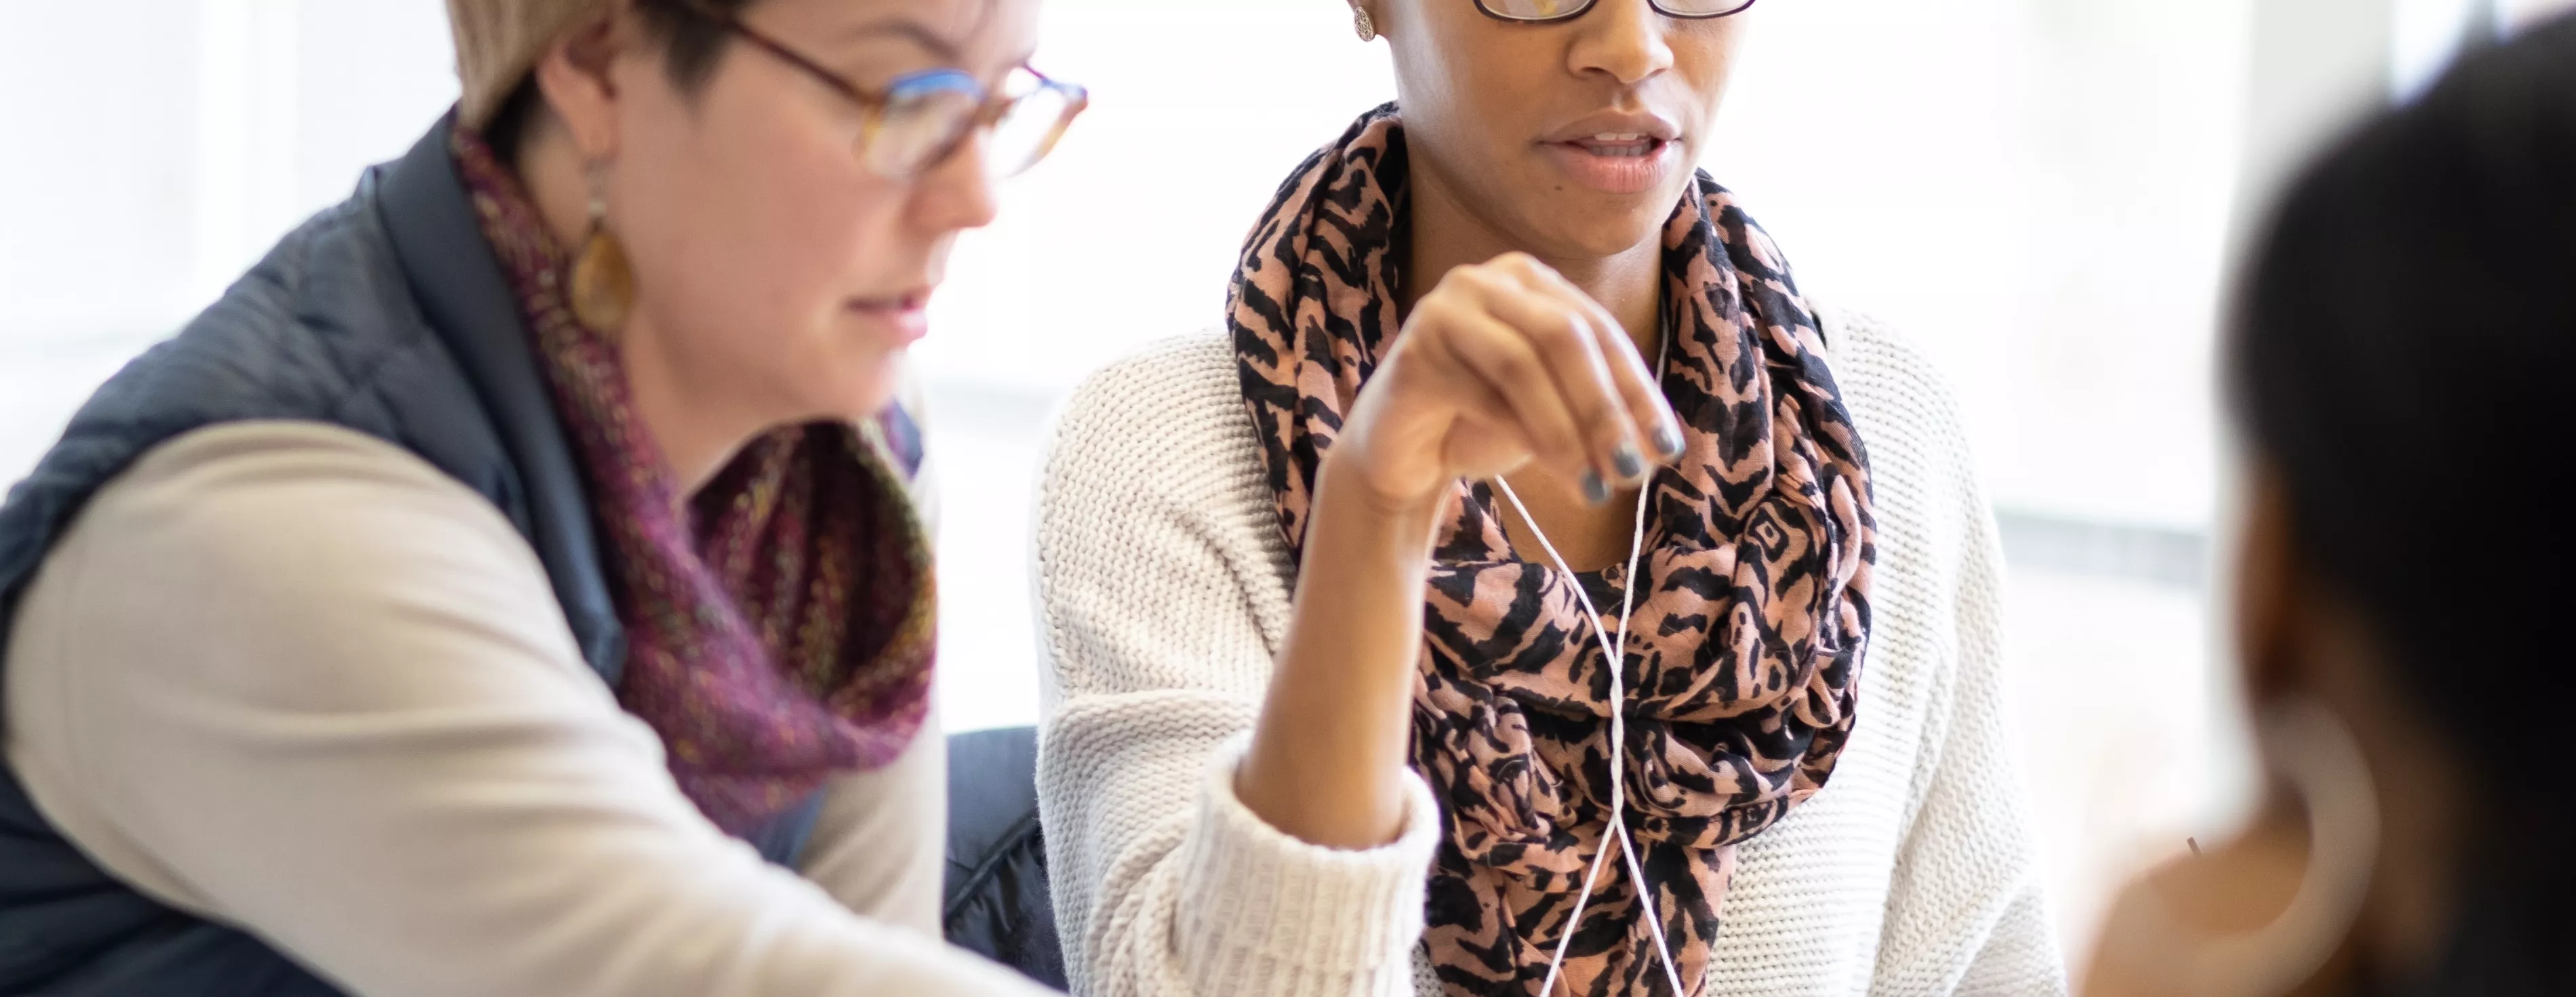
[(1494, 353), (1640, 385), (1564, 333)]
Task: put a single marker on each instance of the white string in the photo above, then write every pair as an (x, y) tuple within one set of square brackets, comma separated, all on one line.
[(1614, 657), (1617, 664)]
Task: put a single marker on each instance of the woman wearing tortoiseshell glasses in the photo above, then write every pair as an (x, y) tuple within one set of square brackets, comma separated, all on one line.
[(514, 584), (1331, 714)]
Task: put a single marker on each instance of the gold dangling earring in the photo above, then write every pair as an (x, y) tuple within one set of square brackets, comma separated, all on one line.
[(603, 286), (1360, 21)]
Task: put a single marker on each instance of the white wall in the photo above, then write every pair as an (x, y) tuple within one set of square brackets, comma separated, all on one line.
[(155, 148)]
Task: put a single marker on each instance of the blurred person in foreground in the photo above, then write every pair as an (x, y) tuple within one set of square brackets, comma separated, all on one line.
[(1330, 714), (2403, 365), (513, 584)]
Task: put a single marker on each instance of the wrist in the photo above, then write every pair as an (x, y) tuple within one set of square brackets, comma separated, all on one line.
[(1359, 494)]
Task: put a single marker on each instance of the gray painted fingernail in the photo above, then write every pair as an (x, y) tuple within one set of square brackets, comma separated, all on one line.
[(1668, 442), (1595, 490), (1627, 461)]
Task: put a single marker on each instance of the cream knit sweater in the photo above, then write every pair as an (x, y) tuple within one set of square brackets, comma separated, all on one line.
[(1164, 583)]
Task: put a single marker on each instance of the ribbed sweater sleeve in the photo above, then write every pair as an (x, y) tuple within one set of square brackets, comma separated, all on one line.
[(1162, 611)]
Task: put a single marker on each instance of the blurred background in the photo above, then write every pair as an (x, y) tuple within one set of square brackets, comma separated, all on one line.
[(2044, 194)]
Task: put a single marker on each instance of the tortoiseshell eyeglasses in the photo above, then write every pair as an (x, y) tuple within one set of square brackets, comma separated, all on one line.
[(921, 119)]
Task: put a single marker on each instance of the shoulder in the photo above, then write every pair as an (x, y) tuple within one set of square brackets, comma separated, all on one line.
[(1936, 589), (327, 326), (324, 328), (1161, 430), (1922, 469), (1159, 559), (1177, 393), (325, 308)]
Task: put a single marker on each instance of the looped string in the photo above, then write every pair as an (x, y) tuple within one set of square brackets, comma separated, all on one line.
[(1614, 657)]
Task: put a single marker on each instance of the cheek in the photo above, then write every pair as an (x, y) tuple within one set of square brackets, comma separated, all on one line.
[(1469, 102), (802, 220), (752, 229), (1703, 61)]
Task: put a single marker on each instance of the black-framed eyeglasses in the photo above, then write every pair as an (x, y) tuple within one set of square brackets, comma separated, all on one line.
[(1546, 11), (921, 119)]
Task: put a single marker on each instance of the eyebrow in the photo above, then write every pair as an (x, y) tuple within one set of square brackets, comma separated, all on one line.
[(905, 27)]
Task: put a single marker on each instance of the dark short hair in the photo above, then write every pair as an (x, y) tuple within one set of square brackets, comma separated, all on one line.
[(691, 39), (2403, 357), (691, 43)]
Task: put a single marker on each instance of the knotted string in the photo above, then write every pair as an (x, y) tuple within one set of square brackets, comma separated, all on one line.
[(1617, 660)]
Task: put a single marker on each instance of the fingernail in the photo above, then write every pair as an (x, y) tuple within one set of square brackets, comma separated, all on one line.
[(1668, 442), (1627, 461), (1595, 490)]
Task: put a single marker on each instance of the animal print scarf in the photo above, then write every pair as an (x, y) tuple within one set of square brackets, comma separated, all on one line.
[(780, 630), (1744, 650)]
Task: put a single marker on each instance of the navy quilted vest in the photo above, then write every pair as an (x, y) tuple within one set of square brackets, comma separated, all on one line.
[(388, 315)]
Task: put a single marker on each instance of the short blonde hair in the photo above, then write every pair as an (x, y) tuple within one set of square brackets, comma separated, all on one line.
[(497, 45)]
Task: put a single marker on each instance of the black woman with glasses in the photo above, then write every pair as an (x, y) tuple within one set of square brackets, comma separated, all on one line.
[(1530, 590), (517, 584)]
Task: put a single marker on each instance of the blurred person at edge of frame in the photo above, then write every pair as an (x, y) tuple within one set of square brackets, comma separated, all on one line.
[(514, 583), (1329, 712), (2401, 363)]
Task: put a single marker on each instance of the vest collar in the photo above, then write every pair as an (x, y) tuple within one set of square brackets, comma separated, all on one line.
[(461, 290)]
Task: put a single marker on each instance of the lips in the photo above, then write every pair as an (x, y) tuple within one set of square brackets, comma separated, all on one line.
[(1616, 152), (904, 315), (1620, 145), (906, 301), (1616, 163)]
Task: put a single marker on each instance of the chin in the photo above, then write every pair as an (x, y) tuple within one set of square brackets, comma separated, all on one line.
[(853, 392), (1598, 226), (1605, 234)]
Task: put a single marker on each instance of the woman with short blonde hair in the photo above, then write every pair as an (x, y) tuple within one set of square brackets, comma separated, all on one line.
[(514, 584)]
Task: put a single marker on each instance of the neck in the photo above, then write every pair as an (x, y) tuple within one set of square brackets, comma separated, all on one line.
[(694, 434), (696, 431), (1447, 234)]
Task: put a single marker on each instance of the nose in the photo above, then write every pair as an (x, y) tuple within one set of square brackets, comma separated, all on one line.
[(957, 192), (1621, 39)]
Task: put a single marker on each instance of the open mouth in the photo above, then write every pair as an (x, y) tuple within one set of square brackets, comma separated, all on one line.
[(1621, 163), (1629, 145)]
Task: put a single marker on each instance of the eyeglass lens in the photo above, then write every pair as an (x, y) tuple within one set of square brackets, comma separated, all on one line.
[(924, 121)]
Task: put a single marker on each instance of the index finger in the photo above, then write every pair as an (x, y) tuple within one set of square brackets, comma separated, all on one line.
[(1639, 386)]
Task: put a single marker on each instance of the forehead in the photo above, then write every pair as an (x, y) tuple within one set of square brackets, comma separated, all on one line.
[(969, 34)]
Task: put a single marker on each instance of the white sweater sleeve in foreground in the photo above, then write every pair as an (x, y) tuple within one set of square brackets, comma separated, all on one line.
[(295, 679), (1161, 604)]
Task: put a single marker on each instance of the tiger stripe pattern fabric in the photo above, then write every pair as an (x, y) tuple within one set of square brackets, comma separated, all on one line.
[(1745, 646)]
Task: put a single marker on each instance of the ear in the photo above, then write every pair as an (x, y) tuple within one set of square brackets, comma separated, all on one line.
[(573, 73), (2268, 596)]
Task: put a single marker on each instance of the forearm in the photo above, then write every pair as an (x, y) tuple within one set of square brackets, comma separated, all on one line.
[(1327, 761), (328, 699)]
